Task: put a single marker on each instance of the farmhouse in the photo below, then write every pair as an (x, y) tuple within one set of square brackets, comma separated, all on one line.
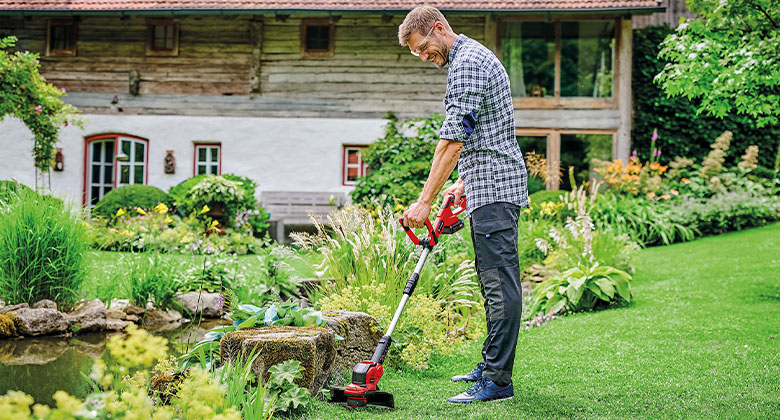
[(287, 92)]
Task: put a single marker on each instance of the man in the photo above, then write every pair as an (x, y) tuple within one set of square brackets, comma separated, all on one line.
[(479, 134)]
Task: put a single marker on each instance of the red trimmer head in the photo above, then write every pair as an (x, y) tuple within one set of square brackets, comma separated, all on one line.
[(366, 374)]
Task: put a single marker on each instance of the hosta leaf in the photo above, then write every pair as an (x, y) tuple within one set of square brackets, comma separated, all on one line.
[(249, 323), (596, 291), (558, 306), (606, 286), (270, 315), (622, 287)]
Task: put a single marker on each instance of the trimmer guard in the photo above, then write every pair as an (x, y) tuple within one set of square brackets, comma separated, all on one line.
[(380, 398)]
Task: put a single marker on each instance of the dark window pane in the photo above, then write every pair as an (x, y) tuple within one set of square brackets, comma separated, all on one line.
[(528, 54), (126, 147), (109, 155), (61, 37), (124, 174), (169, 37), (214, 154), (201, 169), (317, 37), (139, 152), (108, 174), (202, 154), (214, 169), (106, 190), (138, 174), (95, 174), (95, 196), (579, 150), (96, 148), (587, 58)]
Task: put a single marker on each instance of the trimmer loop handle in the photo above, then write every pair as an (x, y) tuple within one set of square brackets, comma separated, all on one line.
[(446, 221), (414, 237)]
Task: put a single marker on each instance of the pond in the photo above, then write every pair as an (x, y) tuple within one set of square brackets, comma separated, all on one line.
[(40, 366)]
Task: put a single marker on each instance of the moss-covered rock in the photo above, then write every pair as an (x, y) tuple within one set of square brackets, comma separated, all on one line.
[(7, 327), (313, 347), (360, 333)]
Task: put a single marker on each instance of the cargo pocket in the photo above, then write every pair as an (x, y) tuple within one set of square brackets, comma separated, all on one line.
[(494, 295), (495, 243)]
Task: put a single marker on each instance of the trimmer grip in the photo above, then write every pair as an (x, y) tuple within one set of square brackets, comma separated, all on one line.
[(414, 237)]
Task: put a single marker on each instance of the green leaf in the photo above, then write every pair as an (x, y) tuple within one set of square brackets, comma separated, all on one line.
[(294, 397), (606, 286), (270, 315), (249, 323), (285, 372)]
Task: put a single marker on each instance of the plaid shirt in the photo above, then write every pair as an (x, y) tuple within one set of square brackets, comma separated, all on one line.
[(480, 114)]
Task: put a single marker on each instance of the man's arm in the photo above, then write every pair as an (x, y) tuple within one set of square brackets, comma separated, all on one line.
[(445, 158)]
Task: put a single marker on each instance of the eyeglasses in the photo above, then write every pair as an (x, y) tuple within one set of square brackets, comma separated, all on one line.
[(423, 45)]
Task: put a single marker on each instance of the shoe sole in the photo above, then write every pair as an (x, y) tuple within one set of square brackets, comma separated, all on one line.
[(464, 380), (472, 401)]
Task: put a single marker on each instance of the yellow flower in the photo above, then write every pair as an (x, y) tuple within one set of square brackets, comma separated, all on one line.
[(119, 212), (141, 211), (651, 195), (205, 209), (15, 405), (161, 208), (67, 403), (666, 196), (139, 348), (167, 219), (686, 181), (675, 192)]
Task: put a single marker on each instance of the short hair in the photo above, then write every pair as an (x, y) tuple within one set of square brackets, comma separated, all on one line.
[(420, 20)]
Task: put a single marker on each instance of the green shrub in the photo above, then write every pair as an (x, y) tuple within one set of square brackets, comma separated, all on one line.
[(581, 288), (645, 221), (41, 251), (535, 184), (681, 131), (399, 162), (246, 209), (729, 211), (544, 196), (129, 196)]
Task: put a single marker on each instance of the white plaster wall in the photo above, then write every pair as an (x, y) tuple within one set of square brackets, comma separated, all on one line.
[(280, 154)]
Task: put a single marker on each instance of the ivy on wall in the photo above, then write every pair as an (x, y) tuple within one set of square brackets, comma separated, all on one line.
[(680, 131), (25, 94)]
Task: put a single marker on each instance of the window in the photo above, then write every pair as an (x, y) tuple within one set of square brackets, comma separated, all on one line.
[(208, 159), (61, 38), (113, 160), (316, 38), (353, 166), (162, 38), (551, 63), (563, 149)]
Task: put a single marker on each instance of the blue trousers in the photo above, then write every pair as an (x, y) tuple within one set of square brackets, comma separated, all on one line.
[(494, 233)]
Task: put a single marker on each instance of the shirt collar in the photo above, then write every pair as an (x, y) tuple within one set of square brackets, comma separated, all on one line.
[(459, 41)]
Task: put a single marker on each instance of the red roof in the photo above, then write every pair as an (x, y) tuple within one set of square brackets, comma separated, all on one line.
[(355, 5)]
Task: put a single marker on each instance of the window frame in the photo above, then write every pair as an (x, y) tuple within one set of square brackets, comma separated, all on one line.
[(361, 165), (206, 145), (567, 102), (117, 138), (150, 26), (61, 53), (305, 24), (553, 152)]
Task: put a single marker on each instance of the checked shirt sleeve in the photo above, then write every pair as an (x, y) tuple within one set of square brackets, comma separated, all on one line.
[(466, 87)]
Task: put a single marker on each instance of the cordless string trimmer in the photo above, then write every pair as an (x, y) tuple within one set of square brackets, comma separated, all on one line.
[(366, 374)]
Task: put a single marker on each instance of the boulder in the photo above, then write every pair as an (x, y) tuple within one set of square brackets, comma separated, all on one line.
[(313, 347), (40, 321), (10, 308), (134, 310), (88, 316), (114, 314), (45, 303), (360, 333), (211, 304), (119, 304), (113, 324), (158, 316)]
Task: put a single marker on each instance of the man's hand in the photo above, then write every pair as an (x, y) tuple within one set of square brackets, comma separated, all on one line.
[(417, 214), (457, 189)]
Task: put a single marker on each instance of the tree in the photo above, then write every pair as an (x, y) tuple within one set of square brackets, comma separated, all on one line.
[(729, 57), (25, 94)]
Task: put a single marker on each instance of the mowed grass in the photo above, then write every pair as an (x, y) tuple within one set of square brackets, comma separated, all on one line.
[(700, 340)]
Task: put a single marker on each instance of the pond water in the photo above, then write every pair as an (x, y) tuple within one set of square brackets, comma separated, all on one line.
[(41, 366)]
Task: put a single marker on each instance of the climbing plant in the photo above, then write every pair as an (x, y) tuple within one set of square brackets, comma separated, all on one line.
[(25, 94)]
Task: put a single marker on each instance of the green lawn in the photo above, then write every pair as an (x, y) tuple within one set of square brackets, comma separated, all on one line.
[(701, 340)]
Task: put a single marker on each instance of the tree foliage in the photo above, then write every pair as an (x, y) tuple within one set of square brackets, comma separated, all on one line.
[(681, 132), (399, 162), (728, 57), (25, 94)]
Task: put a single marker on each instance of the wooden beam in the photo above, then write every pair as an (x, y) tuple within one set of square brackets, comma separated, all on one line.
[(623, 143), (256, 40)]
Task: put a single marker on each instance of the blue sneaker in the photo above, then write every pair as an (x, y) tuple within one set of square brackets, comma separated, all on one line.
[(484, 390), (472, 376)]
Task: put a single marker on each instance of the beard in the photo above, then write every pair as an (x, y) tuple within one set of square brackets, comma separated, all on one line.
[(443, 53)]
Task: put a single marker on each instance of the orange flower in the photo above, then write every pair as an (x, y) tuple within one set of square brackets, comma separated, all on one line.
[(686, 181), (675, 192)]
